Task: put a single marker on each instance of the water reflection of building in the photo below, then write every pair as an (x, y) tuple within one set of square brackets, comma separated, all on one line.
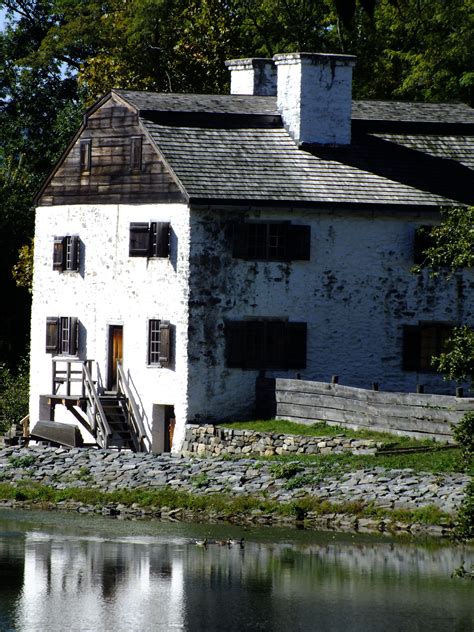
[(157, 585), (76, 584)]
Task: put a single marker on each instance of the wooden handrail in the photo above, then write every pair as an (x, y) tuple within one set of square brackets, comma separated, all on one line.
[(97, 414), (136, 419)]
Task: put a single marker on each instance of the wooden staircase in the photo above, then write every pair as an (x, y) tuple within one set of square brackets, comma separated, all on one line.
[(116, 413), (112, 418)]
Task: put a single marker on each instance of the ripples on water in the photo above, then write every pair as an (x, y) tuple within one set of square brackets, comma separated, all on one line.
[(63, 573)]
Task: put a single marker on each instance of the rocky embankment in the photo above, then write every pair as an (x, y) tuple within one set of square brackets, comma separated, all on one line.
[(103, 470)]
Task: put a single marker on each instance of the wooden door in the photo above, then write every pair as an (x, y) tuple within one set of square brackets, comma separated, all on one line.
[(115, 354), (170, 422)]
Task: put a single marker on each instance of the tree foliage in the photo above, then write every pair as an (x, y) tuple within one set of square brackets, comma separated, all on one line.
[(13, 394), (56, 56)]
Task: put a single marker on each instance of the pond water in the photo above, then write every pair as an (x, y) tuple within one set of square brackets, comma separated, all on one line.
[(63, 572)]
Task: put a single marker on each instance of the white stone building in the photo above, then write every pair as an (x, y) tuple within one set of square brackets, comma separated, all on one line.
[(199, 240)]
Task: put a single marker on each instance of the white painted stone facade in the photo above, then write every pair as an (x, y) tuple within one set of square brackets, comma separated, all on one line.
[(112, 288), (356, 294)]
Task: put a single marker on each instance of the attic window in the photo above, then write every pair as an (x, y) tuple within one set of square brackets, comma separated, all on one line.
[(271, 241), (85, 155), (265, 344), (136, 153), (66, 253), (149, 239)]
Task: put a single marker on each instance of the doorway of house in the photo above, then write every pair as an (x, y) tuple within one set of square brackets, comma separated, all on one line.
[(115, 355), (170, 422)]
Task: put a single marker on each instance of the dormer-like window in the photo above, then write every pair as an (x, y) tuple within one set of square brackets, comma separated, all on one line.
[(66, 253), (149, 239), (85, 147), (136, 153)]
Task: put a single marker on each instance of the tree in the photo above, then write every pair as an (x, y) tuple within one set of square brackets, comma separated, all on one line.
[(453, 249)]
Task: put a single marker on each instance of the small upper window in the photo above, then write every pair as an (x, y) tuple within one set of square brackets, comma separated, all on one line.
[(136, 153), (66, 253), (149, 240), (271, 241), (85, 155)]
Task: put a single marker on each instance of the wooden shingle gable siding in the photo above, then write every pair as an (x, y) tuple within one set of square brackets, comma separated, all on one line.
[(112, 129)]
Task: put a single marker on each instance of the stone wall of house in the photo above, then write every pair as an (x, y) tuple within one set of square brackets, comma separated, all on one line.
[(208, 440), (112, 288), (355, 294)]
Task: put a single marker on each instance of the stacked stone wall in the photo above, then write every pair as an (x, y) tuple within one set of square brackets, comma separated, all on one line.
[(209, 440)]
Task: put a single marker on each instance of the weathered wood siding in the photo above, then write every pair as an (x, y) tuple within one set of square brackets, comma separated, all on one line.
[(111, 179), (418, 415)]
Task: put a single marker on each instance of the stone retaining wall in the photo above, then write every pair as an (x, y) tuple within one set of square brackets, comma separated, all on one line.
[(105, 470), (214, 441)]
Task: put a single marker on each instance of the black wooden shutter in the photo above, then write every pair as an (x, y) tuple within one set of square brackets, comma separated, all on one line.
[(59, 253), (75, 253), (235, 343), (240, 241), (165, 343), (73, 335), (298, 242), (52, 334), (411, 348), (139, 239), (296, 335), (160, 239)]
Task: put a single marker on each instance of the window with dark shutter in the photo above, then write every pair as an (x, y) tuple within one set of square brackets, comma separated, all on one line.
[(85, 149), (139, 239), (149, 240), (66, 251), (52, 334), (265, 344), (423, 342), (271, 241), (160, 239), (136, 153), (159, 342), (422, 241), (62, 335), (165, 343)]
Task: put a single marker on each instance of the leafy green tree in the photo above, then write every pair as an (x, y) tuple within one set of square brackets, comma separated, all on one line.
[(14, 391), (453, 249)]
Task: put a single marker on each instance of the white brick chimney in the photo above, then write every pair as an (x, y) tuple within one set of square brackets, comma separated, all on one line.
[(256, 76), (315, 96)]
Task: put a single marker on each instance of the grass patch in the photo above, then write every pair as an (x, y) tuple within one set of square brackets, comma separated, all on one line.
[(322, 429), (228, 507), (336, 464)]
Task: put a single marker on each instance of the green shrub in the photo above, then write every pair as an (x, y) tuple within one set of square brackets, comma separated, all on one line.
[(285, 469), (464, 436), (21, 461), (14, 391), (464, 527)]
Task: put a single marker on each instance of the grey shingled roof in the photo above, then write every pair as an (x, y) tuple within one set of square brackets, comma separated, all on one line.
[(246, 162)]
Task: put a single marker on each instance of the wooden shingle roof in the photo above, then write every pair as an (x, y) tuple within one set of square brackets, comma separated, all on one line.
[(234, 149)]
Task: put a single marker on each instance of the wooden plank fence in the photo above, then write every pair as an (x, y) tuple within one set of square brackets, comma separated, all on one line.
[(420, 415)]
